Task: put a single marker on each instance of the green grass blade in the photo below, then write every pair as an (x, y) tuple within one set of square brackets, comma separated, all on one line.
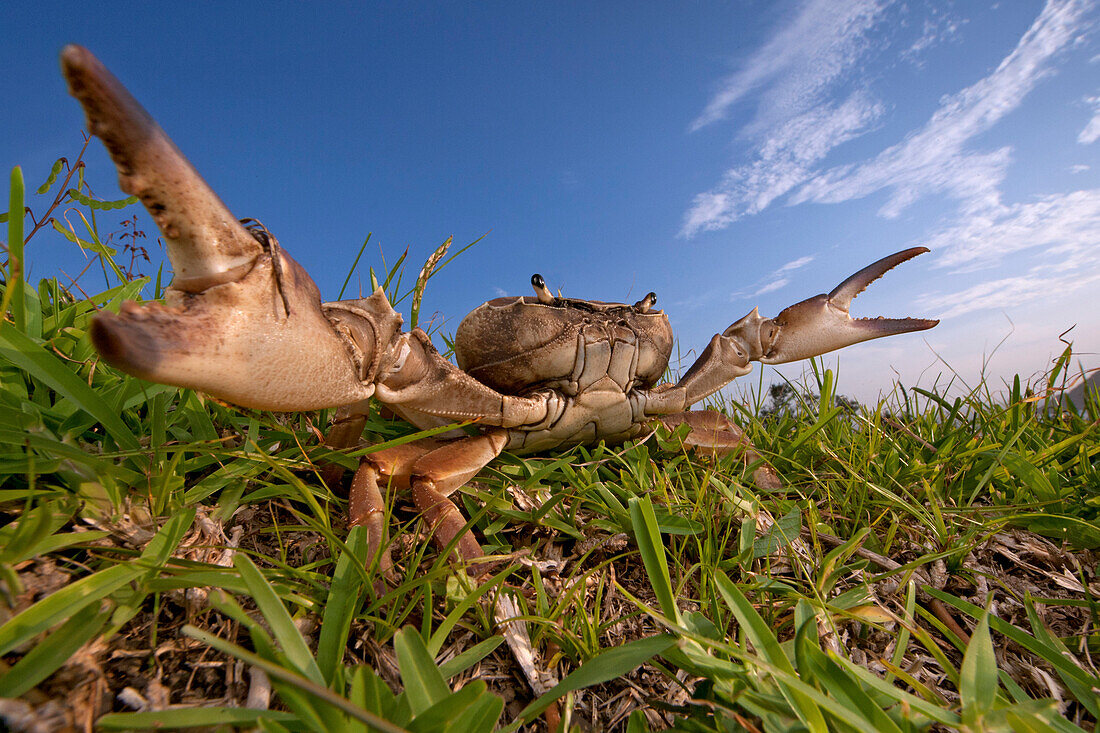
[(344, 596), (63, 604), (847, 690), (48, 369), (213, 718), (1063, 666), (46, 657), (164, 542), (767, 646), (423, 682), (282, 626), (13, 294), (450, 713), (353, 266), (652, 549), (607, 665), (925, 708), (482, 716), (282, 674), (1087, 694), (468, 658), (978, 675)]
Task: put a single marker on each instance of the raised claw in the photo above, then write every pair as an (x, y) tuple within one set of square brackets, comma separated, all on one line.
[(242, 321), (822, 323), (206, 243)]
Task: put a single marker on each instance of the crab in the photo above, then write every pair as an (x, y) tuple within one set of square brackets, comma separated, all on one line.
[(243, 322)]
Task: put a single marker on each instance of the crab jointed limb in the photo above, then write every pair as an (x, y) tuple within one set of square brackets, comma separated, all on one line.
[(244, 322)]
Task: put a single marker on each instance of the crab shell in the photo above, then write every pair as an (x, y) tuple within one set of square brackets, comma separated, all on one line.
[(519, 344)]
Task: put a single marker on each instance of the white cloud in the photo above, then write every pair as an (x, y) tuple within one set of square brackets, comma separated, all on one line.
[(941, 26), (1063, 229), (823, 40), (934, 159), (794, 126), (775, 284), (784, 160), (1091, 132), (796, 264), (1079, 168), (1059, 225), (775, 280), (1007, 293)]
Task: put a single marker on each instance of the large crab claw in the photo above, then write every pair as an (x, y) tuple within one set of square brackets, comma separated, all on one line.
[(242, 321), (822, 323)]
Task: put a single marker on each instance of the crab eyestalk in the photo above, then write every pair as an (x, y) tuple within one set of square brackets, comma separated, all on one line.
[(822, 323), (242, 321)]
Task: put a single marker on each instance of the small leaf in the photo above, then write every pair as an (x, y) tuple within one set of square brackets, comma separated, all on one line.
[(102, 205), (95, 247), (607, 665), (54, 172)]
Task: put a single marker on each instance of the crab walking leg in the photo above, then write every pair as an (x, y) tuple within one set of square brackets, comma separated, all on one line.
[(366, 504), (711, 431), (431, 470), (438, 473), (367, 508)]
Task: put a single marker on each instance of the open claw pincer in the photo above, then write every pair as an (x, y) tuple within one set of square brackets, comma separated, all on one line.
[(822, 323)]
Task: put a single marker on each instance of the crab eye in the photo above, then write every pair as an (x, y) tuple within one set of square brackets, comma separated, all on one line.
[(543, 292), (643, 305)]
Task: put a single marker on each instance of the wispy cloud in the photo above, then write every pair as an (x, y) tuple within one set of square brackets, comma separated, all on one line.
[(1062, 230), (1091, 132), (821, 43), (939, 27), (1060, 226), (776, 280), (796, 78), (1049, 245), (935, 159), (796, 264), (775, 284), (795, 125), (1008, 293), (785, 159)]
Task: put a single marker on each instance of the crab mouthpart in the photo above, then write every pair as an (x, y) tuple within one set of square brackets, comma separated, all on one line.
[(822, 323)]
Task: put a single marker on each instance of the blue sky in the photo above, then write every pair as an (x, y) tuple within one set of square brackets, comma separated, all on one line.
[(725, 155)]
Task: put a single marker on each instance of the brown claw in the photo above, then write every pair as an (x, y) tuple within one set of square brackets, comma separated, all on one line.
[(242, 321), (206, 243), (822, 323), (236, 342)]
